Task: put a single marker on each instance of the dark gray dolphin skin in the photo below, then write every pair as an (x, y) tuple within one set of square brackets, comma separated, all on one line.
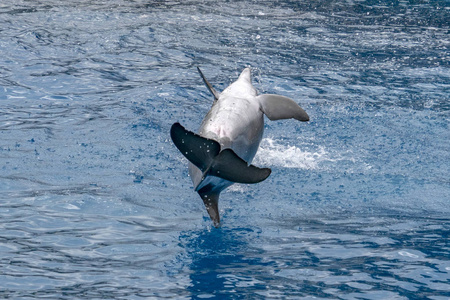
[(229, 136)]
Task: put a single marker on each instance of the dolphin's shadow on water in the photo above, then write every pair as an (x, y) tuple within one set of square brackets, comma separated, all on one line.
[(218, 259)]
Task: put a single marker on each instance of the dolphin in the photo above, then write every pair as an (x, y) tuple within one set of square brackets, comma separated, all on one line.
[(229, 136)]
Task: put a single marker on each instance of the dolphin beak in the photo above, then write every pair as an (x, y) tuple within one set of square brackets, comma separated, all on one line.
[(246, 75)]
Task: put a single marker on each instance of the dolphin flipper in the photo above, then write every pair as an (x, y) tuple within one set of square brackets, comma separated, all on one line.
[(277, 107), (208, 85), (205, 154)]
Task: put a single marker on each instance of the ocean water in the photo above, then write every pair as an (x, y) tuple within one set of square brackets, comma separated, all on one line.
[(96, 202)]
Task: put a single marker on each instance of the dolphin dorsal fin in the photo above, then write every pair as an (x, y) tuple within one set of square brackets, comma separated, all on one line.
[(211, 201), (208, 85)]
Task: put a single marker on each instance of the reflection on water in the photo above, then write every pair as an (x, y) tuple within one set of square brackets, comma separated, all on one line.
[(356, 257), (217, 260)]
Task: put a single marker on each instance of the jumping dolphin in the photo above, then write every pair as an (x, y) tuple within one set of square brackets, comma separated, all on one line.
[(229, 137)]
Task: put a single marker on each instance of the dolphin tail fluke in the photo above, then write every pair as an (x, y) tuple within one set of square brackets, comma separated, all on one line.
[(228, 165), (208, 85), (205, 154), (277, 107), (198, 150), (211, 201)]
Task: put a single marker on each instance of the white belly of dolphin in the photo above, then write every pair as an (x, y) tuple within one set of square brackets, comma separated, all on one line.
[(236, 124)]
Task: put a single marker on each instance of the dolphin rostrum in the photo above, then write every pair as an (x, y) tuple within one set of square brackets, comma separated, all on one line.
[(221, 153)]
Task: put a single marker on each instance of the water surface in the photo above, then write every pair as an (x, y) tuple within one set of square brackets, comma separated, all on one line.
[(95, 201)]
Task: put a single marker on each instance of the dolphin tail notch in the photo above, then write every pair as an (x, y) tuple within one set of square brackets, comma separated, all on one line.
[(208, 85), (229, 166), (205, 154)]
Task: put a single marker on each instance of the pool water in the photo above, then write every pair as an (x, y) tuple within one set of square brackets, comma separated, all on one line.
[(96, 202)]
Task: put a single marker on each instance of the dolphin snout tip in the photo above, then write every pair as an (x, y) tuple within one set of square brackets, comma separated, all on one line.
[(246, 74)]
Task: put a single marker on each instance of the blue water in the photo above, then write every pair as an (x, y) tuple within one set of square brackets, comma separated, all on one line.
[(96, 202)]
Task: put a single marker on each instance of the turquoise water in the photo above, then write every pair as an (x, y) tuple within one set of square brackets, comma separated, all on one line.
[(96, 202)]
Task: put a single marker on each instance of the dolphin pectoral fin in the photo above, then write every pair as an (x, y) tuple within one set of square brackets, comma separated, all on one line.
[(198, 150), (229, 166), (208, 85), (211, 201), (277, 107)]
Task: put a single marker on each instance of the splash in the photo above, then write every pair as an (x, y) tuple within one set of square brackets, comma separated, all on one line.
[(274, 153)]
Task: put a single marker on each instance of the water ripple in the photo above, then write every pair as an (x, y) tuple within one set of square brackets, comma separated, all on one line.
[(96, 202)]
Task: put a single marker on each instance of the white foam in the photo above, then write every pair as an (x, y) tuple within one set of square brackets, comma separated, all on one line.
[(238, 188), (408, 254), (274, 153), (70, 206)]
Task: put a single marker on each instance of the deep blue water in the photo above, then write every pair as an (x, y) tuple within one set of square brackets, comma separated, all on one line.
[(96, 202)]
